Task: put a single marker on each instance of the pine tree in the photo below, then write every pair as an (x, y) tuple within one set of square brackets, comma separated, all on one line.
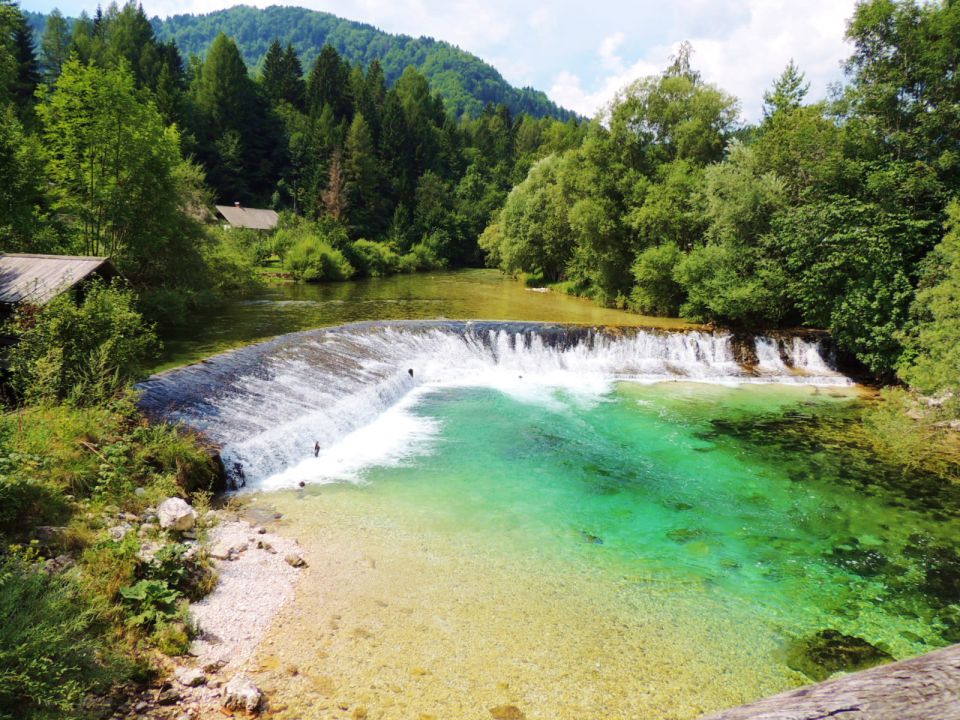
[(362, 175), (294, 87), (55, 45), (328, 84), (272, 76), (28, 69), (787, 93)]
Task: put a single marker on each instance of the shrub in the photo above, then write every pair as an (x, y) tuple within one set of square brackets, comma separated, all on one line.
[(374, 259), (52, 647), (86, 352), (422, 256), (656, 291), (311, 259)]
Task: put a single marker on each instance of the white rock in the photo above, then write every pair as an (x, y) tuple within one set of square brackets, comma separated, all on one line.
[(241, 694), (175, 514), (191, 677), (118, 532)]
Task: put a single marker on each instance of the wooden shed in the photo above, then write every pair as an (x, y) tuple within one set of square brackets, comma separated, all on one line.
[(252, 218), (37, 279)]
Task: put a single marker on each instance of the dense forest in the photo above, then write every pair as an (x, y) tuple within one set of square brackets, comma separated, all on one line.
[(464, 81)]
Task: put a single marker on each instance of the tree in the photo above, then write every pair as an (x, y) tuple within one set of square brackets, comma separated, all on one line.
[(28, 68), (335, 196), (931, 362), (118, 181), (787, 93), (362, 177), (55, 45), (21, 186), (83, 352), (282, 75), (328, 84)]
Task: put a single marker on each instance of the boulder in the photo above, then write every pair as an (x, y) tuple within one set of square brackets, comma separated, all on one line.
[(241, 694), (175, 514), (191, 677)]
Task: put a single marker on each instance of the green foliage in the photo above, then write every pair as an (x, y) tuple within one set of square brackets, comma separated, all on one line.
[(656, 291), (932, 363), (374, 259), (52, 649), (84, 352), (313, 259)]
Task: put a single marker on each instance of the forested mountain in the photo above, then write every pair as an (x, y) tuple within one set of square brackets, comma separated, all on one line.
[(464, 81)]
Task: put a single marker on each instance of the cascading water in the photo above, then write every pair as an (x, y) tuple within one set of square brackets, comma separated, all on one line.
[(349, 388)]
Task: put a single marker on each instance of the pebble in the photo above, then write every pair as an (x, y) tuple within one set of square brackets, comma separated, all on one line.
[(294, 560)]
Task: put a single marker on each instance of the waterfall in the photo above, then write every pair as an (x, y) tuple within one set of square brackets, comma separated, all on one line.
[(267, 404)]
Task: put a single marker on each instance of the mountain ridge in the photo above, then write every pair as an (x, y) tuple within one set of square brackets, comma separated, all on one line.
[(465, 81)]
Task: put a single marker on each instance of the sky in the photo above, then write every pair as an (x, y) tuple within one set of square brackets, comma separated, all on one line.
[(581, 53)]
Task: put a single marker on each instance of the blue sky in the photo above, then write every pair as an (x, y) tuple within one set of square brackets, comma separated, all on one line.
[(581, 53)]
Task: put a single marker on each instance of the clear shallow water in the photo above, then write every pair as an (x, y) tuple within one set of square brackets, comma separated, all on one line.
[(464, 294), (620, 551)]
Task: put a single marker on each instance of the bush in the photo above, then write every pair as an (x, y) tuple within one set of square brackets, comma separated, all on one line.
[(656, 291), (311, 259), (85, 352), (53, 650), (374, 259), (422, 256)]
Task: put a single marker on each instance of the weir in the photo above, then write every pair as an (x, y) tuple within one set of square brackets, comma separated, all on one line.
[(265, 403)]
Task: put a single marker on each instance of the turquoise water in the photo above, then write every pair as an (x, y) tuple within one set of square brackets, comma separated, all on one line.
[(745, 493)]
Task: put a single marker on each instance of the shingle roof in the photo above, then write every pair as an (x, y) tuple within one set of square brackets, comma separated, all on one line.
[(253, 218), (38, 279)]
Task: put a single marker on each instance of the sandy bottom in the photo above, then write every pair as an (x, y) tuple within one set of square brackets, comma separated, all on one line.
[(394, 621)]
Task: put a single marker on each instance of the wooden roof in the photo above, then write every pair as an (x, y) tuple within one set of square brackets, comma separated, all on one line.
[(37, 279), (253, 218)]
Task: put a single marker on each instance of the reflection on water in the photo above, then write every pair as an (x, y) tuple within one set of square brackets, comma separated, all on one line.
[(459, 295)]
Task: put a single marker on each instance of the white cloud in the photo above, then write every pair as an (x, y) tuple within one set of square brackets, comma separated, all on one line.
[(743, 60), (608, 51)]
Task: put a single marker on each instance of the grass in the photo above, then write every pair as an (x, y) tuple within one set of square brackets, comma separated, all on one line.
[(100, 623)]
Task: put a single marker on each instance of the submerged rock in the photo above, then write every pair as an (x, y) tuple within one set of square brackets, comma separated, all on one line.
[(175, 514), (859, 560), (507, 712), (685, 535), (821, 655), (591, 539)]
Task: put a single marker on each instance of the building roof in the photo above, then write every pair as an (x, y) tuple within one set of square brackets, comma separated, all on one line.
[(37, 279), (253, 218)]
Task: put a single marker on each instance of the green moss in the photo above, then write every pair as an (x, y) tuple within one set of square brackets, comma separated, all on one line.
[(821, 655)]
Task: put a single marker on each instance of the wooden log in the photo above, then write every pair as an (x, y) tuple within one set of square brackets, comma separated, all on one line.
[(921, 688)]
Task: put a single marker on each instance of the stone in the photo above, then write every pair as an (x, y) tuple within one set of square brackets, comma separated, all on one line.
[(242, 694), (59, 564), (829, 651), (175, 514), (294, 560), (168, 697), (224, 550), (148, 551), (49, 535), (191, 677), (140, 492), (146, 529), (506, 712), (263, 545), (118, 532), (260, 530)]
